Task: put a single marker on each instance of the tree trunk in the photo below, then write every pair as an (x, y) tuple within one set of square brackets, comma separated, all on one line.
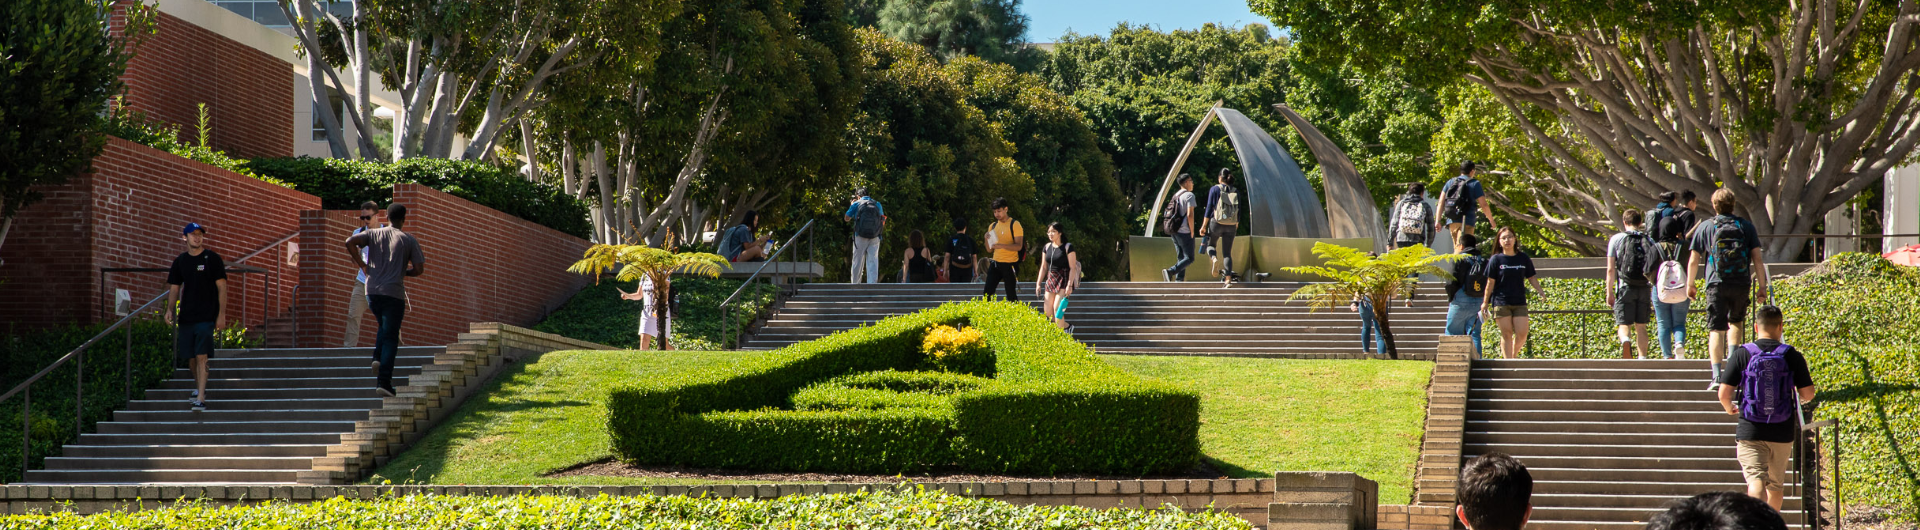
[(662, 304), (1386, 332), (528, 149)]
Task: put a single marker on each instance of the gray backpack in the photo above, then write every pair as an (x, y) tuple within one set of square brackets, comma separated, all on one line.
[(866, 219)]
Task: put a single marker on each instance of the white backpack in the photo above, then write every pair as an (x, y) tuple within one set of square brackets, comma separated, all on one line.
[(1413, 218), (1671, 283)]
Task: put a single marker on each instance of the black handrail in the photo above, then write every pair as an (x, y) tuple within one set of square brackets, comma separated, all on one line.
[(79, 355), (726, 307)]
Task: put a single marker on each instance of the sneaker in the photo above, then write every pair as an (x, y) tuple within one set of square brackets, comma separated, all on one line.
[(193, 396), (386, 391), (376, 364), (197, 404), (1166, 275)]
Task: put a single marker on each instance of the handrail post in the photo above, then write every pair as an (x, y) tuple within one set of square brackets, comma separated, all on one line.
[(129, 371), (79, 390), (26, 428)]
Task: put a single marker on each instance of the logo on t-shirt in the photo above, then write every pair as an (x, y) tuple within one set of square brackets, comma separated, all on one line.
[(202, 267)]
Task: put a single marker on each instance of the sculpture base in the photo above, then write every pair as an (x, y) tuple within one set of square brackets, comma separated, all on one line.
[(1147, 256)]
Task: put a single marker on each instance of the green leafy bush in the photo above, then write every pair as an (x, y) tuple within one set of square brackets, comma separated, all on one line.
[(1053, 408), (344, 184), (52, 416), (597, 314), (135, 126), (869, 510)]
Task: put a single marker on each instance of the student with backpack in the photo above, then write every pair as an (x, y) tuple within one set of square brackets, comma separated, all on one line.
[(1670, 292), (1763, 383), (1631, 265), (957, 262), (1729, 249), (869, 221), (1222, 213), (1008, 243), (1059, 275), (1467, 290), (1462, 200), (1411, 223), (1177, 222)]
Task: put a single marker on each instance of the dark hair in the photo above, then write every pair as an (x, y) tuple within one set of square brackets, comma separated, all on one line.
[(1466, 167), (1055, 226), (751, 219), (397, 213), (916, 240), (998, 203), (1720, 510), (1469, 241), (1666, 197), (1769, 315), (1723, 201), (1184, 178), (1497, 247), (369, 205), (1632, 217), (860, 191), (959, 224), (1417, 188), (1687, 196), (1495, 491), (1226, 175)]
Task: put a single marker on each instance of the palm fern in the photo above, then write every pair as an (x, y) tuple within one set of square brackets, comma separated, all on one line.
[(634, 262), (1352, 273)]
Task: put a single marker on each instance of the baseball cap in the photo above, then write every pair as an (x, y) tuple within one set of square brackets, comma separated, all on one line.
[(191, 228)]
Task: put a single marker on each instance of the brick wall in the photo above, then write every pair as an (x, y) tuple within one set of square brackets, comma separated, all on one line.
[(482, 266), (249, 94), (128, 213)]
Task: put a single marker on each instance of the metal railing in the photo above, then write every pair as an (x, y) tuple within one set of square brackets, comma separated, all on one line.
[(729, 329), (78, 356)]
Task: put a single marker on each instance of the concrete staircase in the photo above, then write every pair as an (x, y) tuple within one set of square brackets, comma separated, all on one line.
[(271, 412), (1609, 442), (1193, 318)]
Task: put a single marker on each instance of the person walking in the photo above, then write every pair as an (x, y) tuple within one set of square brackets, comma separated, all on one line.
[(357, 302), (197, 281), (916, 266), (1632, 260), (1729, 249), (1467, 290), (1370, 336), (1222, 213), (392, 256), (1177, 222), (1462, 200), (649, 315), (1668, 230), (1411, 222), (1007, 240), (1059, 275), (959, 259), (1772, 381), (738, 245), (869, 221), (1508, 271)]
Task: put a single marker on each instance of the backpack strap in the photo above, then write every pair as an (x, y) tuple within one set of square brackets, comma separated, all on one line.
[(1781, 350), (1753, 349)]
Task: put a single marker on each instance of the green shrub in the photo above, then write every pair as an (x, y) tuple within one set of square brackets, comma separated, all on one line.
[(597, 314), (930, 382), (1053, 408), (868, 510), (137, 127), (52, 417), (344, 184)]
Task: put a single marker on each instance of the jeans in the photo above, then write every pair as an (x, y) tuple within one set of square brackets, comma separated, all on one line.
[(386, 344), (1003, 272), (1463, 318), (356, 311), (1370, 337), (866, 255), (1183, 245), (1223, 235), (1670, 323)]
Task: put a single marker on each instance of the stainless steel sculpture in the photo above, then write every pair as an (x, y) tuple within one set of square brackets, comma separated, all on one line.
[(1350, 209), (1280, 201)]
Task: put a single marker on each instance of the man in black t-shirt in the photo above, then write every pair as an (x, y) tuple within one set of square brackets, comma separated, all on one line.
[(198, 281), (1762, 448), (1728, 295)]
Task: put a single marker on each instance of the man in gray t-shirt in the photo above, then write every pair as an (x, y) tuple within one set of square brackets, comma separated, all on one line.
[(392, 255)]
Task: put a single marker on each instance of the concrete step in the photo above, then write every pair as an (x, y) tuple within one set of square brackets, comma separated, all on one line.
[(223, 427), (364, 352), (1601, 405), (142, 439), (1648, 502), (1725, 428), (1674, 384), (1613, 365), (357, 362), (1629, 462), (181, 463), (143, 476), (363, 399), (292, 373), (1587, 416), (1681, 369), (1603, 438), (1720, 476), (222, 385), (1524, 451), (214, 414), (194, 451), (1591, 394)]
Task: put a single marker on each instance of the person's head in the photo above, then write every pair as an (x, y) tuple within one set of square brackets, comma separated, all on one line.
[(1226, 176), (1720, 510), (1495, 493), (1467, 168), (1417, 189), (1468, 243), (367, 210), (860, 193), (1723, 201), (960, 225), (1000, 208), (751, 219), (396, 215), (1507, 241), (1770, 321), (195, 236), (1688, 198), (1666, 197), (1185, 181), (1631, 219), (1056, 233), (916, 239)]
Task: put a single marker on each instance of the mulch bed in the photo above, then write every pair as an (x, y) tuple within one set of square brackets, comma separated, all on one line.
[(614, 468)]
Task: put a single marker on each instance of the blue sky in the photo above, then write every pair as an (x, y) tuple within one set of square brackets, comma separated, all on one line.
[(1052, 18)]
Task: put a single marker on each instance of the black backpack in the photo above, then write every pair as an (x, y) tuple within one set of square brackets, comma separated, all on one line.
[(1731, 255), (1458, 204), (1653, 219), (960, 249), (1634, 264), (1672, 227), (1172, 217), (1475, 279), (866, 219)]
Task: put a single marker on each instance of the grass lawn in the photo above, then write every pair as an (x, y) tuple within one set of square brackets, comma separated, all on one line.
[(1257, 416)]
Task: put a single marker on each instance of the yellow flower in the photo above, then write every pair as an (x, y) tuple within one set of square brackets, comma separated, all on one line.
[(944, 341)]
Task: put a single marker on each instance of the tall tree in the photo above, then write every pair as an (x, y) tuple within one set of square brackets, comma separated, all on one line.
[(1793, 106), (59, 63), (994, 30)]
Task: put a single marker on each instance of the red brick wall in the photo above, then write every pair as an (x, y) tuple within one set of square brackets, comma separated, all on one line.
[(128, 213), (482, 266), (249, 94)]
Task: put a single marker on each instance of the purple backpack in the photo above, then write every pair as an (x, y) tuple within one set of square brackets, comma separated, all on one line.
[(1766, 386)]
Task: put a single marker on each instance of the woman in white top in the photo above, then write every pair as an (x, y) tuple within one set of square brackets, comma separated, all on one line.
[(649, 324)]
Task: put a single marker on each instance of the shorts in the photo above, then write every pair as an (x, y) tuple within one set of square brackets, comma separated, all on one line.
[(193, 340), (1504, 311), (1727, 304), (1632, 305), (650, 326), (1763, 462), (1058, 281)]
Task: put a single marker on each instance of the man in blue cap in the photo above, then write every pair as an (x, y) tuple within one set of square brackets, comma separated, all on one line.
[(198, 281)]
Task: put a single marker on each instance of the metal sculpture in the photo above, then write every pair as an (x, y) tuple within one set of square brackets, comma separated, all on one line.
[(1350, 209)]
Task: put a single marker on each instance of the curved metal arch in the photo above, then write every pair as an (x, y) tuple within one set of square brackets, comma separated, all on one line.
[(1351, 212), (1280, 200)]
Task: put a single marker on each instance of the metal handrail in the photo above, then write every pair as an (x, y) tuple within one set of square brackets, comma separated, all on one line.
[(727, 326), (79, 355)]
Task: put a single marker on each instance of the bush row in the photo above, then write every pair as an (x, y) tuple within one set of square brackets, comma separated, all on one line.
[(869, 510), (597, 314), (1054, 407), (51, 420), (344, 184)]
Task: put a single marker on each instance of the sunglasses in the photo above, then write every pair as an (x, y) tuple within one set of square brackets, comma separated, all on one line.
[(366, 218)]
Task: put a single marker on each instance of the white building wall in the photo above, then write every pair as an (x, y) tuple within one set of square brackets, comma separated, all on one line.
[(1901, 208)]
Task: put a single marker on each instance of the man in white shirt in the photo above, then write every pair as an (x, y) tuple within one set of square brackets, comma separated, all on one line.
[(357, 304)]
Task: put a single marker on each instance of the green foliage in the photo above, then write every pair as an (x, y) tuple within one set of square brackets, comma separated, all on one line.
[(137, 127), (597, 314), (1352, 274), (913, 508), (1052, 408), (234, 338), (961, 350), (992, 30), (53, 396), (58, 66), (344, 184)]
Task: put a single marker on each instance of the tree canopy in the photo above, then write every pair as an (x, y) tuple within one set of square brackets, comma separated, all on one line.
[(994, 30)]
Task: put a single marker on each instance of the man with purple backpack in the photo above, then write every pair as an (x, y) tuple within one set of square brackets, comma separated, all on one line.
[(1772, 380)]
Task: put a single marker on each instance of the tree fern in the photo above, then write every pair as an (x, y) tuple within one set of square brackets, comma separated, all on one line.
[(1352, 273)]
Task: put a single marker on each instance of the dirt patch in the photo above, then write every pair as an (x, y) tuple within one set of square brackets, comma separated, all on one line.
[(1874, 518), (614, 468)]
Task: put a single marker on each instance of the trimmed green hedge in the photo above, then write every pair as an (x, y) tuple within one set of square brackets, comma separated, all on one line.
[(912, 509), (1052, 408), (344, 184)]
